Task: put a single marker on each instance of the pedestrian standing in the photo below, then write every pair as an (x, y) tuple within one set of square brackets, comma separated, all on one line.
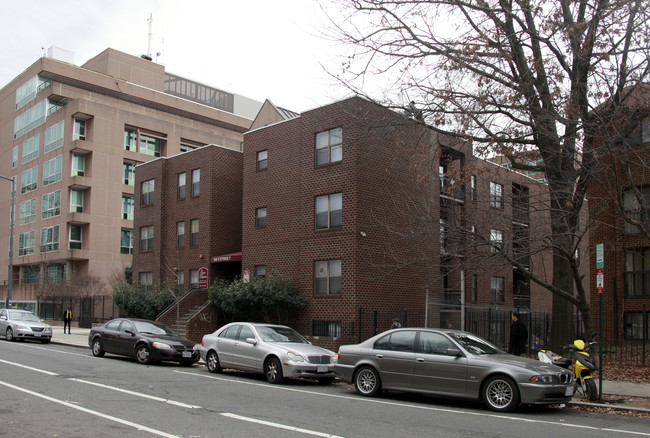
[(395, 324), (518, 336), (67, 319)]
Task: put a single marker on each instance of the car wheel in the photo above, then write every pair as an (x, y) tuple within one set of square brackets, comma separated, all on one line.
[(591, 391), (325, 380), (142, 354), (273, 370), (367, 381), (501, 394), (212, 362), (45, 341), (10, 334), (98, 350)]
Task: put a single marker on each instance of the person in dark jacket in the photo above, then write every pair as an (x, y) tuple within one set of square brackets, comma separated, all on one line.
[(518, 336), (67, 319)]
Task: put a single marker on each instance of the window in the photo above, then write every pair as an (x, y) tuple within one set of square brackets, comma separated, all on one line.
[(327, 274), (260, 271), (434, 343), (28, 180), (146, 281), (76, 201), (194, 232), (196, 182), (443, 235), (27, 92), (330, 329), (397, 341), (128, 170), (497, 293), (50, 239), (149, 145), (633, 325), (634, 210), (329, 147), (75, 236), (78, 165), (52, 170), (260, 217), (472, 187), (126, 242), (194, 279), (186, 148), (128, 207), (496, 241), (180, 281), (51, 204), (30, 148), (146, 238), (79, 129), (30, 119), (181, 185), (637, 272), (496, 195), (32, 275), (645, 130), (262, 160), (54, 137), (14, 159), (55, 273), (180, 234), (27, 212), (130, 139), (147, 193), (26, 243), (329, 211)]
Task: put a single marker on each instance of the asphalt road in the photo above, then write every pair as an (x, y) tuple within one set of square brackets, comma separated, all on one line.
[(57, 390)]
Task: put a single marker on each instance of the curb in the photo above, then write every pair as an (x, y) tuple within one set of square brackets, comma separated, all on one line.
[(609, 406)]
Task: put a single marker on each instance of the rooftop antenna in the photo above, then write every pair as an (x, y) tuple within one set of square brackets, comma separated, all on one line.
[(150, 37)]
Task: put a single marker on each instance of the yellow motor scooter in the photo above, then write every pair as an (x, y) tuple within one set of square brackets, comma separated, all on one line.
[(583, 367)]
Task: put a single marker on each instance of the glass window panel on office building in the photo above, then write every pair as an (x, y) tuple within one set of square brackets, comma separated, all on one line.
[(30, 148), (130, 139), (30, 119), (126, 242), (128, 207), (76, 201), (52, 170), (51, 204), (27, 212), (78, 165), (14, 158), (26, 243), (79, 129), (54, 137), (28, 180), (128, 173), (75, 237), (50, 239), (149, 145)]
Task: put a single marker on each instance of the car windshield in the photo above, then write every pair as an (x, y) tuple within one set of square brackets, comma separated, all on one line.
[(23, 316), (474, 344), (280, 334), (150, 328)]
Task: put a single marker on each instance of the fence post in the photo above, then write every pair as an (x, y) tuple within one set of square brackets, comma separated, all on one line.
[(645, 331), (360, 322), (489, 326), (375, 322), (405, 318)]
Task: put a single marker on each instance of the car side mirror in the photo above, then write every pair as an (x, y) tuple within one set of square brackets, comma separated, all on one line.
[(4, 318), (453, 352), (252, 341)]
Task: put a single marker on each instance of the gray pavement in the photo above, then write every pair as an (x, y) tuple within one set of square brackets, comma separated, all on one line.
[(78, 337)]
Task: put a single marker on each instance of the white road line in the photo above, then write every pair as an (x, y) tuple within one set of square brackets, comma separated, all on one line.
[(278, 425), (49, 373), (91, 412), (138, 394), (426, 408)]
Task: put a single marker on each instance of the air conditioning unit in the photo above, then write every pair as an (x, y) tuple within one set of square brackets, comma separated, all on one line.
[(80, 173), (79, 209)]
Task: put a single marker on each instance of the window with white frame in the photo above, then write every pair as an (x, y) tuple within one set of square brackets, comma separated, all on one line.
[(79, 129), (260, 217), (147, 193), (52, 170), (329, 146), (30, 119), (28, 180), (497, 292), (128, 173), (186, 148), (196, 182), (150, 145), (262, 160), (26, 242), (194, 279), (146, 238), (30, 148), (329, 211), (14, 157), (180, 234), (27, 212), (130, 139), (327, 277), (126, 242), (194, 232), (182, 177), (50, 239), (496, 240), (260, 271), (75, 237), (128, 207), (76, 201), (146, 280), (54, 137), (78, 165), (496, 195), (51, 204)]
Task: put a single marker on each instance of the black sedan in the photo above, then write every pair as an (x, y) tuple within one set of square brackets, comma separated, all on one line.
[(146, 341)]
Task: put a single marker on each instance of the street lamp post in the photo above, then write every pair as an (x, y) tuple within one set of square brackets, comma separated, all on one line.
[(11, 241)]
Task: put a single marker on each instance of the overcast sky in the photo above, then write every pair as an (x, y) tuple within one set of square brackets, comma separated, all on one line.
[(257, 48)]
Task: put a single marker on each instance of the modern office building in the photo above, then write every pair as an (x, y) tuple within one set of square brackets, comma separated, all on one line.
[(72, 136)]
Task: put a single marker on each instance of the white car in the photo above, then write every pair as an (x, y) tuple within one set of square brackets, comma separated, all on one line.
[(276, 351), (21, 324)]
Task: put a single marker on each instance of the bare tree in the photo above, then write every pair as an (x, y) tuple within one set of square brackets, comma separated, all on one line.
[(512, 76)]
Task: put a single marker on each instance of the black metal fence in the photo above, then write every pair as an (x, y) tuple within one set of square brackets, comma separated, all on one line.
[(86, 311)]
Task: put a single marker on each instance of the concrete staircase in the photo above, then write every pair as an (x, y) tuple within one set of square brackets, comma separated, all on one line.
[(180, 326)]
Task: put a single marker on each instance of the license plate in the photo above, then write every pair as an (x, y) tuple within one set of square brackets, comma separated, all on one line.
[(187, 354), (321, 369), (569, 391), (38, 335)]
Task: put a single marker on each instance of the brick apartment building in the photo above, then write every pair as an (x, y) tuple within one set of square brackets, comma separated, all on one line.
[(72, 137)]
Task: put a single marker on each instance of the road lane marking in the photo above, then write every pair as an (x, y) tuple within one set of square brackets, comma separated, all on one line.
[(425, 408), (138, 394), (49, 373), (279, 426), (91, 412)]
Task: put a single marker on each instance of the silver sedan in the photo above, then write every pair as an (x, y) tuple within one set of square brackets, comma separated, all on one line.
[(451, 363), (22, 324), (274, 350)]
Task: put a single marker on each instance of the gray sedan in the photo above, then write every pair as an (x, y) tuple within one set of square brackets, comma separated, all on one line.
[(21, 324), (451, 363), (274, 350)]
